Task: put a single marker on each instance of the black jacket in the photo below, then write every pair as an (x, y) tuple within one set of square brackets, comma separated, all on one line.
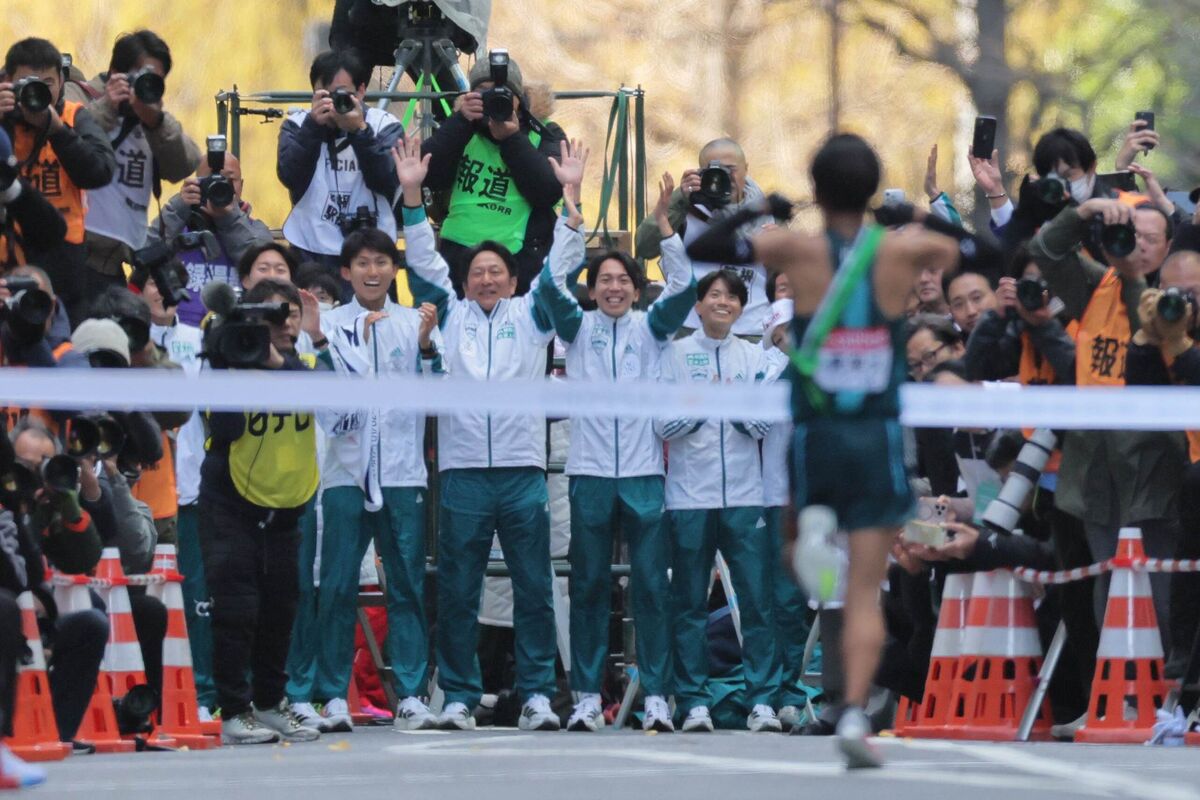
[(994, 349), (83, 149)]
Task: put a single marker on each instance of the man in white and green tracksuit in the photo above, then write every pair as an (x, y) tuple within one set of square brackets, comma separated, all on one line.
[(714, 500), (373, 485), (492, 465), (615, 464)]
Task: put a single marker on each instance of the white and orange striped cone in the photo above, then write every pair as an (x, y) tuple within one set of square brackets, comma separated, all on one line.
[(1128, 686), (998, 671), (122, 665), (71, 593), (180, 711), (928, 718), (35, 732)]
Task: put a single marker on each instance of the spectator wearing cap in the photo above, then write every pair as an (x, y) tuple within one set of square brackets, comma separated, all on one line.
[(501, 186)]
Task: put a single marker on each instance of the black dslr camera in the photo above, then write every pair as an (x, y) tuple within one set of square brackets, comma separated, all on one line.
[(33, 94), (1032, 293), (238, 337), (1118, 240), (363, 217), (498, 100), (1174, 304), (716, 186), (25, 313), (216, 188), (148, 86), (1051, 190), (155, 258), (344, 101)]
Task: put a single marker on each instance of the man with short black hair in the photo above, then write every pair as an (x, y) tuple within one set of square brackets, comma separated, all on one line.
[(62, 152), (334, 160), (149, 144), (970, 295)]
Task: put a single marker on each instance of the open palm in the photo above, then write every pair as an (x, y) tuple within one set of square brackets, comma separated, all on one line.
[(411, 168), (572, 161)]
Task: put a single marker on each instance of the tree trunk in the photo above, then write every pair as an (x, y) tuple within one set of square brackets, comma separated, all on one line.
[(990, 83)]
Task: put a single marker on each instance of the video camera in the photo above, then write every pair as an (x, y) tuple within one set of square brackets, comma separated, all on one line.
[(155, 259), (26, 312), (238, 337), (716, 186), (498, 100), (216, 189)]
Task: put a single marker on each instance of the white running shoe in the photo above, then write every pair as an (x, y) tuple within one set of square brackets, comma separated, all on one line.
[(789, 717), (853, 732), (658, 715), (335, 717), (203, 714), (762, 719), (308, 715), (13, 766), (413, 715), (536, 715), (1067, 730), (698, 721), (245, 729), (587, 716), (281, 719), (456, 717)]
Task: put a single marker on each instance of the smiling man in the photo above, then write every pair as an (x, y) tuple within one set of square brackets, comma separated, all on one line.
[(616, 465)]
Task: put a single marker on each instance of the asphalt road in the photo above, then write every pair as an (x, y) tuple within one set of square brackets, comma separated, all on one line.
[(501, 764)]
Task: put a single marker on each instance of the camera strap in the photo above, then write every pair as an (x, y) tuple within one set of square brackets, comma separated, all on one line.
[(853, 269)]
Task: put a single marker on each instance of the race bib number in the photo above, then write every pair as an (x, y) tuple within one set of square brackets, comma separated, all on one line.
[(855, 360)]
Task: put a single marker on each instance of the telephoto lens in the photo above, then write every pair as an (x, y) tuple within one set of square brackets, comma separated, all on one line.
[(1003, 513), (1119, 240), (1051, 190), (1173, 304), (33, 94)]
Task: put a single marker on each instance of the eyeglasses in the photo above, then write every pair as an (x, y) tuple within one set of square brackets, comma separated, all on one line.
[(928, 359)]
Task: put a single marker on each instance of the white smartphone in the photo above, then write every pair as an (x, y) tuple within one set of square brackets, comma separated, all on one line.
[(893, 197)]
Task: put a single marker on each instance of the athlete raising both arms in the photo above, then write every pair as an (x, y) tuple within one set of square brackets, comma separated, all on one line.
[(850, 288)]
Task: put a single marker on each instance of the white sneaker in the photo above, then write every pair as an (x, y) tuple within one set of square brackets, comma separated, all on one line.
[(853, 732), (308, 715), (1067, 730), (536, 715), (283, 720), (335, 717), (245, 729), (456, 717), (789, 717), (587, 716), (658, 715), (203, 714), (13, 766), (698, 721), (762, 719), (414, 715)]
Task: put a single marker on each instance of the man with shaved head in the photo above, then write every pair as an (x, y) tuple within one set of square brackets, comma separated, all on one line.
[(694, 204)]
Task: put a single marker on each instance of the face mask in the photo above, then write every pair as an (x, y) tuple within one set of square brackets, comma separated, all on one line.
[(1081, 190)]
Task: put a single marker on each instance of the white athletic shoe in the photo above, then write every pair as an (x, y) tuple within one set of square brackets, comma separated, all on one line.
[(456, 717), (536, 715), (414, 715), (245, 729), (335, 717), (13, 766), (853, 732), (762, 719), (587, 716), (1067, 730), (658, 715), (283, 720), (308, 715), (789, 717), (698, 721)]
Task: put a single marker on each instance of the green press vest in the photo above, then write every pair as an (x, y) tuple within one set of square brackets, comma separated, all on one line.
[(485, 202)]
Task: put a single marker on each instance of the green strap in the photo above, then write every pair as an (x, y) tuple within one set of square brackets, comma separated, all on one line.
[(618, 121), (410, 108), (850, 274)]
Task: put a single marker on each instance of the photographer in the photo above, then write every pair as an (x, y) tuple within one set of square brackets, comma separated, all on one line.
[(149, 144), (198, 207), (258, 475), (1023, 335), (1111, 479), (334, 160), (1164, 352), (492, 159), (34, 330), (61, 150), (27, 219)]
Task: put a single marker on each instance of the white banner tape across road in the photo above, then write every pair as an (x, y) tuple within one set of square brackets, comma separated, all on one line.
[(154, 389), (924, 405)]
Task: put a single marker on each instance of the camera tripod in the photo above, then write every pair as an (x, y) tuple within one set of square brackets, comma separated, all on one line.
[(427, 49)]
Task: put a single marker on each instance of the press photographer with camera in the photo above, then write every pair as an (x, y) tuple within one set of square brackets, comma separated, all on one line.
[(61, 150), (1110, 479), (258, 475), (27, 219), (335, 161), (491, 156), (211, 201), (33, 332), (149, 144)]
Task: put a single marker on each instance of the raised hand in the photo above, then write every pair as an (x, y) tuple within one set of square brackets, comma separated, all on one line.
[(987, 173), (666, 187), (570, 164), (429, 317), (1153, 188), (411, 166), (1137, 140)]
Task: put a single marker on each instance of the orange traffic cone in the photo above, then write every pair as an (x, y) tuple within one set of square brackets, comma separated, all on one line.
[(998, 671), (1128, 686), (71, 593), (928, 718), (122, 665), (180, 719), (35, 733)]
